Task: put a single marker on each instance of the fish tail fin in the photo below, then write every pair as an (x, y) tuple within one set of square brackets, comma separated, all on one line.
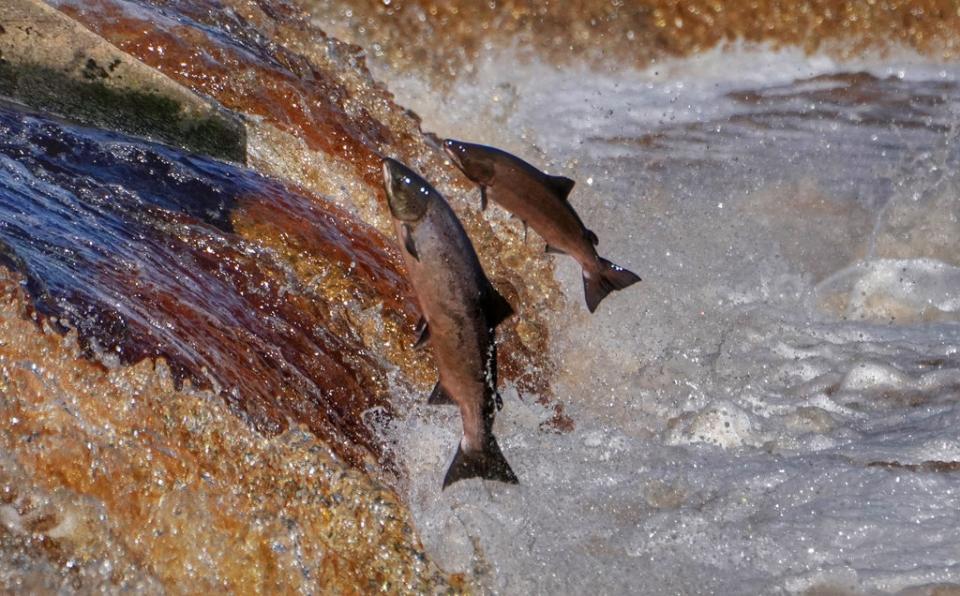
[(489, 464), (607, 278)]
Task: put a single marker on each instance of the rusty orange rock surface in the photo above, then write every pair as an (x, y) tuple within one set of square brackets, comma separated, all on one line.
[(111, 478)]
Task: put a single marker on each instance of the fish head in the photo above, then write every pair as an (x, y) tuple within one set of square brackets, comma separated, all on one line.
[(475, 161), (407, 193)]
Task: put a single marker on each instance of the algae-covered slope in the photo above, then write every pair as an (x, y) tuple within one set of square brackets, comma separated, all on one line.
[(196, 426)]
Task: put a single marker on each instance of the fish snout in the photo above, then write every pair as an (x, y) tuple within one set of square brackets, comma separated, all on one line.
[(473, 160), (387, 176), (394, 171), (406, 191), (456, 150)]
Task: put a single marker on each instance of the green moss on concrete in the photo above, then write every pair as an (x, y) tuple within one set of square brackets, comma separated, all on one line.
[(91, 101)]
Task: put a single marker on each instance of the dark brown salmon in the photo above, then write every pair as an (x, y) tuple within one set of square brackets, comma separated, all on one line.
[(460, 308), (540, 200)]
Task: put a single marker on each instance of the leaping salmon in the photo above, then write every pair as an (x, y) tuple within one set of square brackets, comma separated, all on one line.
[(540, 200), (461, 309)]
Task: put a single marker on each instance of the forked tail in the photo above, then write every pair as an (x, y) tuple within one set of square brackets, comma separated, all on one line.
[(610, 277), (489, 464)]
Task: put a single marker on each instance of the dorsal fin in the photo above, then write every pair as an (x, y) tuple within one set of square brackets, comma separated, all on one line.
[(592, 237), (561, 185), (495, 307)]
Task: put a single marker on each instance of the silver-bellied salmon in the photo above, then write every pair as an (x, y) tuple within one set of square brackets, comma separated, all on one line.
[(460, 308), (540, 201)]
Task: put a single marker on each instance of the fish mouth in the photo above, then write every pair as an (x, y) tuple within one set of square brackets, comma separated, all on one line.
[(452, 148), (389, 179), (387, 169)]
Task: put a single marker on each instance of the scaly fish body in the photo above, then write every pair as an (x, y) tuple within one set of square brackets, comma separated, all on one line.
[(448, 283), (461, 310), (540, 201), (533, 197)]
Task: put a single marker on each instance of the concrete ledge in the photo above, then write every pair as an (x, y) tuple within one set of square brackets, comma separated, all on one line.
[(52, 63)]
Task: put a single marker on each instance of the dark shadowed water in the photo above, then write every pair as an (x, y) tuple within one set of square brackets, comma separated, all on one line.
[(134, 245)]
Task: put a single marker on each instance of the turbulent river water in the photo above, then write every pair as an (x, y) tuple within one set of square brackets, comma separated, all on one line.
[(773, 409)]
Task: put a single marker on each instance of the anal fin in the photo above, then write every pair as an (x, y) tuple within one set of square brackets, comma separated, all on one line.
[(496, 307)]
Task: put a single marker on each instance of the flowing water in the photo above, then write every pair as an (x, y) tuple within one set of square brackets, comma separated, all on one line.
[(773, 409)]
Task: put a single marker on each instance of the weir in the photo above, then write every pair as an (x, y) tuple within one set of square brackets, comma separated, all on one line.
[(207, 379)]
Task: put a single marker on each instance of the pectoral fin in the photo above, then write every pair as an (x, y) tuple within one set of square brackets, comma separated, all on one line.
[(552, 250), (423, 334), (408, 242), (440, 397)]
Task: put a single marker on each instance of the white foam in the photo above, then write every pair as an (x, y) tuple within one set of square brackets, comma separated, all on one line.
[(872, 376), (796, 323), (722, 424), (911, 288)]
